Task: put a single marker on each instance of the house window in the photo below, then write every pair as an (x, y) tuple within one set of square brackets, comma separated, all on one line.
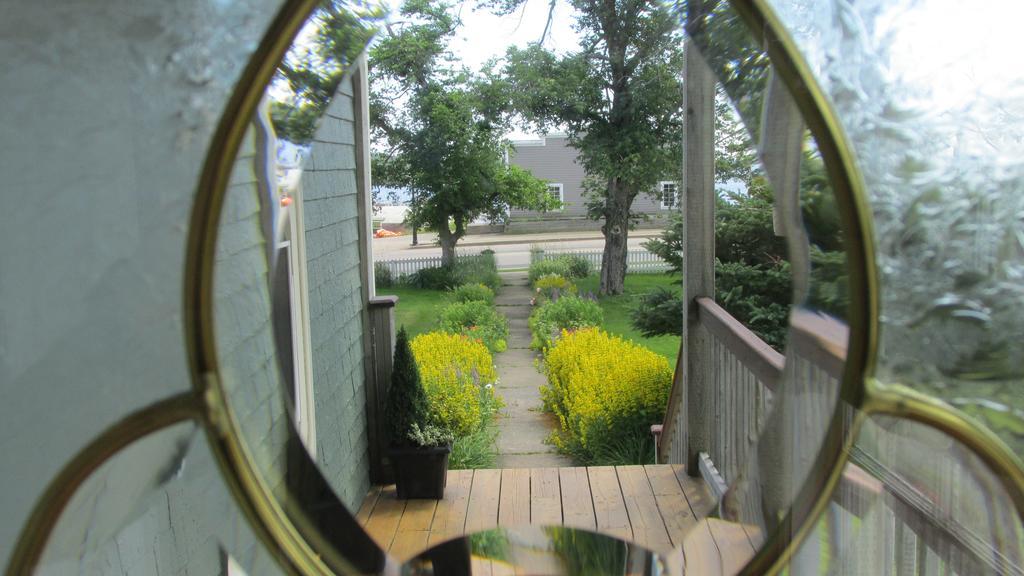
[(291, 310), (669, 194), (556, 192)]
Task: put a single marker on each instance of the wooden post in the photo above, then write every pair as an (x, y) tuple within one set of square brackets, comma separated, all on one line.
[(381, 336), (698, 207), (793, 433), (781, 149)]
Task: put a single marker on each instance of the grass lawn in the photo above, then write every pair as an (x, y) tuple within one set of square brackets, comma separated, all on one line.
[(617, 310), (417, 309)]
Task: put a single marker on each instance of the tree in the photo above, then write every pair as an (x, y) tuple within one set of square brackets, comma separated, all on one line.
[(406, 405), (443, 127), (312, 73), (619, 98)]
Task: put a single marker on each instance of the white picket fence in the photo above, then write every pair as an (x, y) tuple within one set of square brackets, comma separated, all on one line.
[(637, 261), (409, 266)]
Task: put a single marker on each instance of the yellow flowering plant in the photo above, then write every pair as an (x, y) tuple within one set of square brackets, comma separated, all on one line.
[(606, 392), (458, 376)]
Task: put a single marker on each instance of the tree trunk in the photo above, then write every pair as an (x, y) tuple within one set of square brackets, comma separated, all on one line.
[(616, 236), (447, 241)]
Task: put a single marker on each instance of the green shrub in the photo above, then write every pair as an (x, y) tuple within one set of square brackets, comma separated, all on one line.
[(478, 449), (606, 392), (545, 267), (830, 282), (479, 269), (578, 266), (566, 265), (473, 293), (436, 278), (382, 276), (566, 313), (552, 286), (406, 406), (758, 296), (478, 320), (659, 312)]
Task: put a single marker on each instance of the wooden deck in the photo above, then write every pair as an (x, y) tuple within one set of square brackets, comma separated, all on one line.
[(658, 506)]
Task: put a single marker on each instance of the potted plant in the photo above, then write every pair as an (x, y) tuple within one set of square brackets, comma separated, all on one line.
[(418, 448)]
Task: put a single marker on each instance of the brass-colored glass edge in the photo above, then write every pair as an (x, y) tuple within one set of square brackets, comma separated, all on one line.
[(903, 402), (286, 538), (814, 495), (31, 543)]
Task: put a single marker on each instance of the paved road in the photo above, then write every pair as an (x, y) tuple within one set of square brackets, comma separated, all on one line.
[(511, 251)]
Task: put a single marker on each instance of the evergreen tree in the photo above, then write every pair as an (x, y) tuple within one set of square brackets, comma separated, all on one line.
[(407, 401)]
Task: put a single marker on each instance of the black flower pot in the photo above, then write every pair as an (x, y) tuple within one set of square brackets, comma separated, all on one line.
[(420, 472)]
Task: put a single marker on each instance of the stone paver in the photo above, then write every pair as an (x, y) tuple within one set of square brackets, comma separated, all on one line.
[(522, 427)]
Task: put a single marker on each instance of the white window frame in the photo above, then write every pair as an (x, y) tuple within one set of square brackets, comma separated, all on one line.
[(298, 287), (661, 194), (561, 194)]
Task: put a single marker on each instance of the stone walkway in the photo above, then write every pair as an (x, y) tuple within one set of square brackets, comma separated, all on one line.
[(522, 426)]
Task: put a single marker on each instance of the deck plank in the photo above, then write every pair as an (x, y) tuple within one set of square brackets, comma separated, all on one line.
[(545, 497), (644, 517), (514, 502), (413, 529), (484, 498), (700, 553), (363, 515), (698, 494), (731, 538), (383, 522), (658, 506), (732, 545), (499, 568), (450, 516), (609, 507), (577, 502), (672, 503), (480, 566)]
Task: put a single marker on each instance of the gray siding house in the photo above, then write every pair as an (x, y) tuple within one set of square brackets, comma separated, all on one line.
[(551, 158)]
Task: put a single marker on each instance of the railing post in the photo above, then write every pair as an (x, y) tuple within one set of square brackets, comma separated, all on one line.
[(698, 207), (382, 350)]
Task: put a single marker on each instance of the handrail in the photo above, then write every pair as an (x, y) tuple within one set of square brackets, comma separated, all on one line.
[(820, 341), (752, 352), (867, 479)]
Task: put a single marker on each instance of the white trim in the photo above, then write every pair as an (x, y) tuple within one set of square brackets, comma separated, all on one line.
[(661, 194), (362, 100), (561, 194), (541, 141), (298, 288)]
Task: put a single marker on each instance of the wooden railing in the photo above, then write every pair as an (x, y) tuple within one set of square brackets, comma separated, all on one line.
[(901, 528), (744, 374)]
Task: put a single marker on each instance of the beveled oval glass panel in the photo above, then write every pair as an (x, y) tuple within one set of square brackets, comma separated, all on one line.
[(305, 326), (131, 515)]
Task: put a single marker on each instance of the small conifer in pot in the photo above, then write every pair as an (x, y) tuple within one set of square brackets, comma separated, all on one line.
[(419, 448)]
